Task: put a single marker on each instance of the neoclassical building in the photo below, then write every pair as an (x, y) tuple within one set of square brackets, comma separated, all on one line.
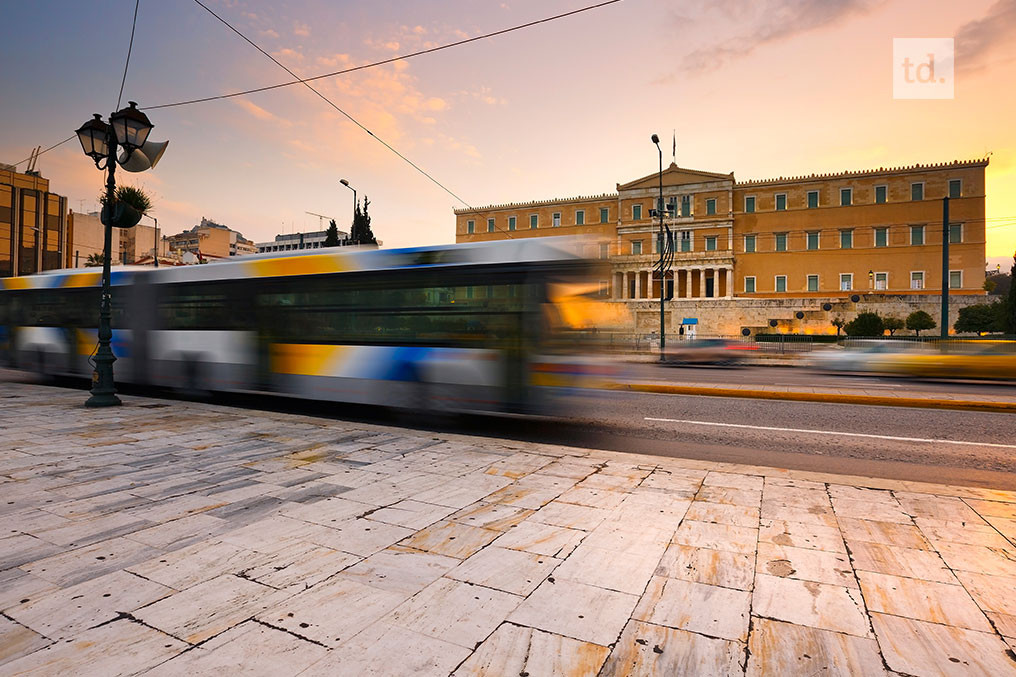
[(747, 253)]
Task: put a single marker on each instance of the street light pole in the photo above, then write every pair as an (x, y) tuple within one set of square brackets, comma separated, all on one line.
[(156, 254), (346, 184), (103, 387), (661, 246)]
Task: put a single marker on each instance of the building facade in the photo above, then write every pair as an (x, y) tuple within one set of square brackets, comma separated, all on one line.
[(33, 224), (773, 244), (212, 240), (297, 241)]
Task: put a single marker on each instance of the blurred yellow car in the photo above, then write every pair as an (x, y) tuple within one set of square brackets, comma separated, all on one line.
[(955, 359)]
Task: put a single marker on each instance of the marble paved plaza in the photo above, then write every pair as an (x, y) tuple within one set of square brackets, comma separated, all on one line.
[(174, 538)]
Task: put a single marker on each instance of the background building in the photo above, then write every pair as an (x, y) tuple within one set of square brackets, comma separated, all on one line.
[(209, 239), (754, 253), (291, 241), (33, 224)]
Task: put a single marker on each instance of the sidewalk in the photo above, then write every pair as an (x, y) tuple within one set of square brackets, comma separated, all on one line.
[(847, 395), (169, 538)]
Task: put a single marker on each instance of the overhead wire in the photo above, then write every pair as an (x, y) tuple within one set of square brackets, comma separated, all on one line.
[(130, 48), (401, 57)]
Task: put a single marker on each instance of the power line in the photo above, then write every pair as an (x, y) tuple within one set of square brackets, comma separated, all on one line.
[(130, 47), (401, 57), (55, 145)]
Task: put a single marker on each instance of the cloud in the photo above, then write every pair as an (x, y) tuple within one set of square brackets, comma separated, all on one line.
[(770, 21), (269, 33), (259, 112), (301, 29), (977, 40), (287, 54)]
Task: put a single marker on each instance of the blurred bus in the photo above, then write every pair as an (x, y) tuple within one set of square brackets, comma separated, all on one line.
[(459, 327)]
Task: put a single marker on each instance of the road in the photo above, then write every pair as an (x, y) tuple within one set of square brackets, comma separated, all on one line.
[(958, 447)]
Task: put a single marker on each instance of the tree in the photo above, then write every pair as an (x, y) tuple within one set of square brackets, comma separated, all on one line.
[(838, 322), (94, 260), (865, 324), (135, 197), (982, 317), (361, 233), (332, 235), (892, 324), (919, 321)]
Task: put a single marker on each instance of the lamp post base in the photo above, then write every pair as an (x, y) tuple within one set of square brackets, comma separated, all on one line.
[(103, 400)]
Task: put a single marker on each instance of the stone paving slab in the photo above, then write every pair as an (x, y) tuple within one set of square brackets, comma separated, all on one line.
[(171, 538)]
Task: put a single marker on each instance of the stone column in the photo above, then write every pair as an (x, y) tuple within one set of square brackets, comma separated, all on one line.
[(638, 284), (729, 277), (690, 277)]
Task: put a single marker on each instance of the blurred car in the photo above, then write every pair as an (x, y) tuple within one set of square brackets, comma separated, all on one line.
[(958, 359), (862, 356), (707, 351)]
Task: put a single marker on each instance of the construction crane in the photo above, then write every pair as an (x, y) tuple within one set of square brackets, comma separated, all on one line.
[(321, 219)]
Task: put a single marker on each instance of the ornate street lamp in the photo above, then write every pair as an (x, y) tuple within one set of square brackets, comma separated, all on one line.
[(128, 128)]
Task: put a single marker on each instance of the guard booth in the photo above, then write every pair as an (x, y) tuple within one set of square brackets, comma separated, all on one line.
[(688, 327)]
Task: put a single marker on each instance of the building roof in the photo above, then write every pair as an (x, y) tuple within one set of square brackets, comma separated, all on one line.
[(907, 169), (675, 176), (537, 203)]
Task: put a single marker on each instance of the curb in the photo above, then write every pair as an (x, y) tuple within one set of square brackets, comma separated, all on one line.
[(828, 398)]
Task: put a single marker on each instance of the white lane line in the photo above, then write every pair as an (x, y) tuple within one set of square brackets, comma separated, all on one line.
[(830, 432)]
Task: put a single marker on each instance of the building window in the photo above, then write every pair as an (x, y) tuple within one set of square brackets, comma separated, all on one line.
[(749, 285), (881, 237), (685, 205), (580, 218), (781, 242), (846, 197), (781, 202), (686, 240), (955, 279), (749, 243), (470, 227), (604, 250), (511, 223), (955, 188), (604, 215), (636, 247), (916, 235), (711, 206), (846, 281), (955, 233), (813, 283), (917, 191), (813, 240), (490, 225), (557, 219), (881, 194), (917, 279), (534, 220), (881, 281), (781, 283), (846, 239), (749, 204), (812, 199), (636, 212), (710, 243)]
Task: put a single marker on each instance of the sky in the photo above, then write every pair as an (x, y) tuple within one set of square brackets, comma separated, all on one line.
[(762, 88)]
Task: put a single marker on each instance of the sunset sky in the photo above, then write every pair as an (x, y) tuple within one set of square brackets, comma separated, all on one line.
[(769, 88)]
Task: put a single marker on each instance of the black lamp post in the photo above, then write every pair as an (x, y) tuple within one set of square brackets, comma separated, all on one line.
[(128, 127), (871, 279), (156, 254), (666, 255)]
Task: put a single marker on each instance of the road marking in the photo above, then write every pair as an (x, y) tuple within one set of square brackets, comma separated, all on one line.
[(830, 432)]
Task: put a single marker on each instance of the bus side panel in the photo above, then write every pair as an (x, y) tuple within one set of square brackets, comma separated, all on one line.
[(203, 359), (400, 376)]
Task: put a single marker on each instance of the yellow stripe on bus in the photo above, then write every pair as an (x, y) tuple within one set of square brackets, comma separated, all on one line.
[(302, 359), (89, 279), (300, 265), (17, 282)]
